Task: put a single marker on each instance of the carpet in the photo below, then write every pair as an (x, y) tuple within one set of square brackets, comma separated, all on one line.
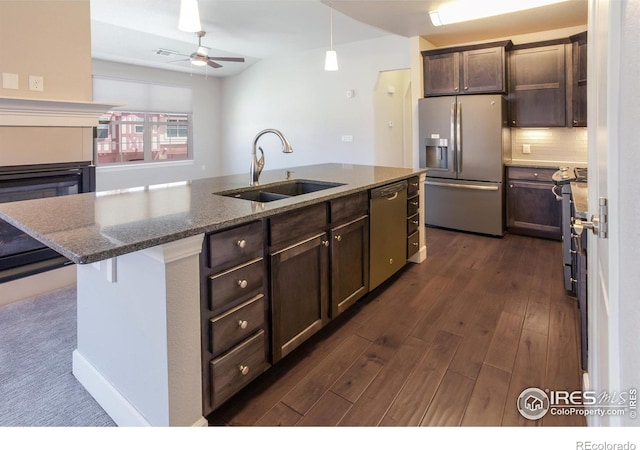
[(37, 388)]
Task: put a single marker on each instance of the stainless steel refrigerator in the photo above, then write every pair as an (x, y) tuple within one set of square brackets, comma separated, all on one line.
[(463, 143)]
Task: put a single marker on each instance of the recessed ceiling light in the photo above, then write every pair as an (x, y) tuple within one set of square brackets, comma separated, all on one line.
[(466, 10)]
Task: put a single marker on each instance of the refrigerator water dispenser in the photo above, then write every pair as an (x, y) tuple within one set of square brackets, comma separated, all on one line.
[(435, 154)]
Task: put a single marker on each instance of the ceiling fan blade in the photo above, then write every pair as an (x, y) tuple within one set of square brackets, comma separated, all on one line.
[(215, 65), (225, 58), (179, 60)]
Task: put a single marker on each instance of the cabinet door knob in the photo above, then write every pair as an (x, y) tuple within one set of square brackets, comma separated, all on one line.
[(338, 237), (415, 222), (466, 88), (244, 370), (511, 185), (325, 243), (513, 122), (575, 122), (242, 324), (242, 284), (535, 174), (241, 243), (414, 184), (455, 89), (415, 244), (414, 203)]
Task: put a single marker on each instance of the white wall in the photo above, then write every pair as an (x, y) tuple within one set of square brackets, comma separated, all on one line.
[(206, 130), (294, 94)]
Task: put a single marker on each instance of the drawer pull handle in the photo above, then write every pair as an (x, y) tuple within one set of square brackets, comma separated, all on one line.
[(414, 184), (415, 222), (243, 324), (241, 243), (415, 244), (244, 370), (535, 174), (242, 284), (414, 203), (338, 237)]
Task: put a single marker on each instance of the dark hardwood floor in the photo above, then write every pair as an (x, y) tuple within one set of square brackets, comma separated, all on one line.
[(452, 341)]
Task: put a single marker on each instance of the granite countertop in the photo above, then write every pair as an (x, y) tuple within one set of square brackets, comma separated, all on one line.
[(580, 195), (542, 164), (94, 226)]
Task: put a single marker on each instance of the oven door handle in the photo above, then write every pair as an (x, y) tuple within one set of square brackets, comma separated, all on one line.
[(555, 194)]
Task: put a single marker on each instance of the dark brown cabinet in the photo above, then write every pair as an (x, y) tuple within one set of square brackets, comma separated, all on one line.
[(235, 344), (349, 237), (579, 80), (532, 209), (299, 276), (299, 293), (537, 91), (476, 69), (413, 217)]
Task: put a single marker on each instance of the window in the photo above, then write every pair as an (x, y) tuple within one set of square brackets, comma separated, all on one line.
[(127, 136)]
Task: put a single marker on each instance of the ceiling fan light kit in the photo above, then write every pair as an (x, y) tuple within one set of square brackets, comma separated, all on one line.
[(189, 16), (331, 57)]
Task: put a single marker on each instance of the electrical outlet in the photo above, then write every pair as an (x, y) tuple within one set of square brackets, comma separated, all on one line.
[(526, 148), (36, 83)]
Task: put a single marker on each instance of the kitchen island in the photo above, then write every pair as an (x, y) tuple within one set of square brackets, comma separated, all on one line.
[(140, 277)]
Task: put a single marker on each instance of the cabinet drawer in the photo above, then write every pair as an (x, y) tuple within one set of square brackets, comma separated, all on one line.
[(298, 225), (235, 246), (413, 186), (413, 244), (234, 370), (236, 285), (235, 325), (412, 224), (413, 205), (530, 173), (349, 207)]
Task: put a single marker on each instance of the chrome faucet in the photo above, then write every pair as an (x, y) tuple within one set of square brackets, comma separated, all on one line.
[(258, 164)]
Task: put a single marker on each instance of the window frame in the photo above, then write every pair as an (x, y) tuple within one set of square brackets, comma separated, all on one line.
[(148, 143)]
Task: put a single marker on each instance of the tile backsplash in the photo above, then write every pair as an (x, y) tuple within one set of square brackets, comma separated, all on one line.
[(550, 144)]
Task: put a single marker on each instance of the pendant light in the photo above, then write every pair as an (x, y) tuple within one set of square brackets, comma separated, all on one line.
[(331, 58), (189, 16)]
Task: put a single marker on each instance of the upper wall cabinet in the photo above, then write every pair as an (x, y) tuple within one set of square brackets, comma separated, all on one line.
[(578, 85), (537, 87), (477, 69)]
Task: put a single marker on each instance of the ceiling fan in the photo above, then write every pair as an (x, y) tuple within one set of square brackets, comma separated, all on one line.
[(201, 58)]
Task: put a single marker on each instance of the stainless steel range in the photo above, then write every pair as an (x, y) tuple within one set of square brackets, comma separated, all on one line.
[(562, 190)]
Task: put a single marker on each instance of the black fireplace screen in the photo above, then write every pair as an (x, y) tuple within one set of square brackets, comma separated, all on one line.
[(21, 255)]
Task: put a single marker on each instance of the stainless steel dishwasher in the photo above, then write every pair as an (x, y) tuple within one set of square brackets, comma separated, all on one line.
[(387, 231)]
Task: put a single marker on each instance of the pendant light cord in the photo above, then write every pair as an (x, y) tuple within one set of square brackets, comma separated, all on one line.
[(330, 26)]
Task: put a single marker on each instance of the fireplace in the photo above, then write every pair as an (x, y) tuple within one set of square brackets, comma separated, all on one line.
[(21, 255)]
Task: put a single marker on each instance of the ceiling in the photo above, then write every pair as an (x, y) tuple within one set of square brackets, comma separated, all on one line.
[(131, 31)]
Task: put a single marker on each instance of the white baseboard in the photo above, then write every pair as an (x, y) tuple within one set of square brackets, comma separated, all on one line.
[(420, 256), (123, 413)]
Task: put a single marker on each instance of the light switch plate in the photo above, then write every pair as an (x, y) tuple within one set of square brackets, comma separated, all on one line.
[(10, 81)]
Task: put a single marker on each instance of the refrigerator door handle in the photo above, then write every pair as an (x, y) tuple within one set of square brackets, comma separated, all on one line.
[(459, 138), (462, 186), (452, 148)]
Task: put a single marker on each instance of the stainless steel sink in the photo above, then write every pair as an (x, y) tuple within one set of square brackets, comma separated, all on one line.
[(279, 190)]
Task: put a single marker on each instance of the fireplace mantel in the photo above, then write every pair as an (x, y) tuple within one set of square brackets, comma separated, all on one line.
[(16, 111)]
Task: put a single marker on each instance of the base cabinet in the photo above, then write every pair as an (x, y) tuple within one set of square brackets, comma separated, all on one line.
[(299, 293), (349, 264), (268, 286), (532, 209)]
